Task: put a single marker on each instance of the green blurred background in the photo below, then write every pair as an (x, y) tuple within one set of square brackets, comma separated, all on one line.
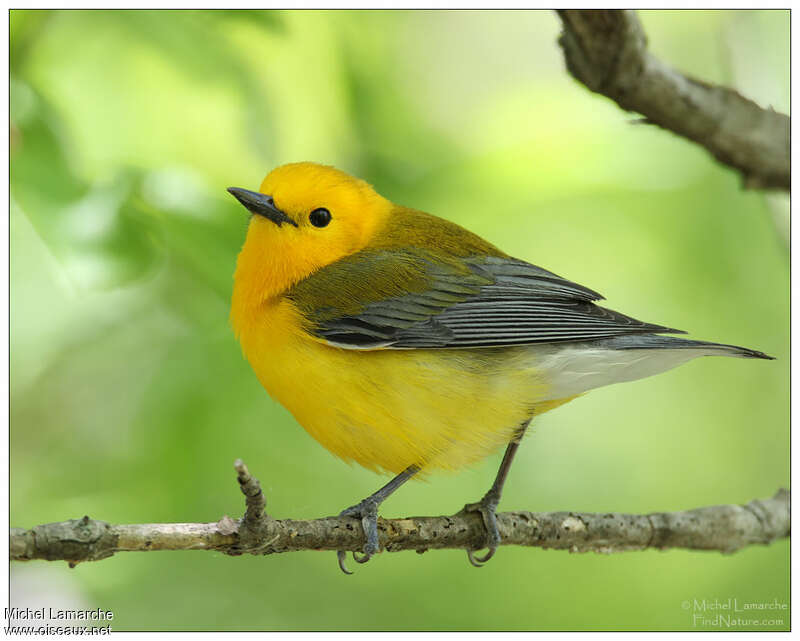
[(131, 399)]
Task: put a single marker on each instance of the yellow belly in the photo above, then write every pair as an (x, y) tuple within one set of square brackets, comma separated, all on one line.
[(388, 409)]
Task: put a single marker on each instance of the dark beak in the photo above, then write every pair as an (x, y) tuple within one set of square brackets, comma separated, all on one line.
[(261, 205)]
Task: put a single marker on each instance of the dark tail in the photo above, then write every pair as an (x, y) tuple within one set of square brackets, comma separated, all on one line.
[(653, 341)]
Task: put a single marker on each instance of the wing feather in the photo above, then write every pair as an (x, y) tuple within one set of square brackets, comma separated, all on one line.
[(411, 299)]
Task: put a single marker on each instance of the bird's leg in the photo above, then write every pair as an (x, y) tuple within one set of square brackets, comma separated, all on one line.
[(367, 511), (487, 506)]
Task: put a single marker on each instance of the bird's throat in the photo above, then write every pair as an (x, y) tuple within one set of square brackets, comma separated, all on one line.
[(267, 267)]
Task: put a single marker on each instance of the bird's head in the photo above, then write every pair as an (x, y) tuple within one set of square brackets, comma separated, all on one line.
[(305, 216)]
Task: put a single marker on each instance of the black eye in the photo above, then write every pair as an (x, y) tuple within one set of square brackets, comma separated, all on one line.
[(320, 217)]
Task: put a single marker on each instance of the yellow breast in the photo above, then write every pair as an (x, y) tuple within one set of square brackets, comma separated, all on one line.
[(388, 409)]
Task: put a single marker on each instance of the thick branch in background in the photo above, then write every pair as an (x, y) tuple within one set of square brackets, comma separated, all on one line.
[(606, 50), (724, 528)]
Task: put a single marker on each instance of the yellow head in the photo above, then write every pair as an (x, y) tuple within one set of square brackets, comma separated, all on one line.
[(305, 216)]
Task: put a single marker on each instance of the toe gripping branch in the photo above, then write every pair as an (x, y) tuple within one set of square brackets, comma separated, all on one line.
[(487, 508), (367, 511)]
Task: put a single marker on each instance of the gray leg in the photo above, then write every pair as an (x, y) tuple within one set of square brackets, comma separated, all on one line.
[(487, 506), (367, 511)]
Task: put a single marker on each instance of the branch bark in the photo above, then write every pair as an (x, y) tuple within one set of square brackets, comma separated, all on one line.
[(725, 528), (606, 50)]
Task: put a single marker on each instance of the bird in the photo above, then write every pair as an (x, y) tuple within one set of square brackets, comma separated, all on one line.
[(409, 345)]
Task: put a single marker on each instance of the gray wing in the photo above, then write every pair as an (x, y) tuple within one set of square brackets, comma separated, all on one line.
[(489, 302)]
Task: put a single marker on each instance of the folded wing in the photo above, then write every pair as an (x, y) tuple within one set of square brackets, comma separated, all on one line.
[(407, 299)]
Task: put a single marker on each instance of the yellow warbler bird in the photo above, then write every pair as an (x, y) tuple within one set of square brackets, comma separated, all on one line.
[(407, 344)]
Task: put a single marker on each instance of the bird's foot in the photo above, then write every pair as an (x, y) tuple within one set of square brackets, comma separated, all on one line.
[(367, 511), (486, 507)]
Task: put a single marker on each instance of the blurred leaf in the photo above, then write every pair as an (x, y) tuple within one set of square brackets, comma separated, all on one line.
[(208, 246), (25, 25), (179, 34), (393, 156), (99, 233), (269, 19)]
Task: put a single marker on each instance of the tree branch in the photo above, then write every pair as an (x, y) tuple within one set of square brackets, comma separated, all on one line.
[(606, 50), (725, 528)]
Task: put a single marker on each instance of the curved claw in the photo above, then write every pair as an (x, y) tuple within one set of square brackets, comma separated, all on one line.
[(363, 559), (479, 561), (341, 555), (367, 511), (486, 508)]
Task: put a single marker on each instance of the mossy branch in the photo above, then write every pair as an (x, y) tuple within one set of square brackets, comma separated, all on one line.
[(606, 50), (725, 528)]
